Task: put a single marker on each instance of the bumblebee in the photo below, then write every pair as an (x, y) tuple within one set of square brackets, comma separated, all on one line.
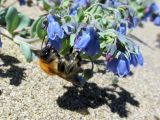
[(66, 67)]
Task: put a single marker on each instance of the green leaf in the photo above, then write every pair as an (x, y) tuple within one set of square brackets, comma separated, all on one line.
[(24, 21), (41, 32), (46, 5), (67, 19), (12, 19), (33, 28), (65, 46), (98, 11), (25, 48), (2, 16), (80, 15)]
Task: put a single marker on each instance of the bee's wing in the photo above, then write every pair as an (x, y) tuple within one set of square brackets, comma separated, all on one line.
[(71, 68)]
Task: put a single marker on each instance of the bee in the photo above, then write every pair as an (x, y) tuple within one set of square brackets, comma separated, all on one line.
[(66, 67)]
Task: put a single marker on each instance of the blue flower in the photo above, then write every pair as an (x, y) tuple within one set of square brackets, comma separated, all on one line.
[(112, 3), (22, 2), (136, 59), (74, 10), (120, 66), (88, 41), (0, 43), (153, 8), (57, 2), (77, 4), (55, 32), (156, 21), (122, 28), (69, 28), (82, 3), (133, 22)]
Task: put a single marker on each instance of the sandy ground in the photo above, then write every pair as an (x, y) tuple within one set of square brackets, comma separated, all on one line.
[(26, 93)]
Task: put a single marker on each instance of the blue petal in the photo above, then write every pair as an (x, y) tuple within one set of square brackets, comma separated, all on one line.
[(120, 66), (140, 59), (122, 28), (154, 7), (54, 29), (82, 3), (56, 43), (0, 43), (74, 9), (133, 22), (22, 2), (88, 41), (123, 67), (112, 66), (134, 59), (157, 21)]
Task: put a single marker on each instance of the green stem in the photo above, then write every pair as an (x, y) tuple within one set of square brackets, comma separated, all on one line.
[(6, 36)]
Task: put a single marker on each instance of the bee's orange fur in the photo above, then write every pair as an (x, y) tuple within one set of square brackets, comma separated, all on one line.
[(51, 68)]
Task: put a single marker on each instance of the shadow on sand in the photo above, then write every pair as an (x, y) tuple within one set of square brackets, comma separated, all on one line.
[(13, 72), (92, 96)]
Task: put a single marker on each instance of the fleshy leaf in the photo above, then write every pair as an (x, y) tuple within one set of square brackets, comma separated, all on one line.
[(12, 19), (33, 28), (41, 32)]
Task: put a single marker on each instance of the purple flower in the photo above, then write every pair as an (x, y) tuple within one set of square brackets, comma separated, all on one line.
[(119, 66), (136, 59), (55, 32), (88, 41), (122, 28), (22, 2)]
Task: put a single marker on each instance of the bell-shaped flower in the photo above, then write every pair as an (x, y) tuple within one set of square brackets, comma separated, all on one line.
[(153, 8), (22, 2), (0, 43), (112, 3), (88, 41), (119, 66), (122, 28), (156, 21), (133, 22), (69, 28), (82, 3), (77, 4), (55, 32), (136, 59)]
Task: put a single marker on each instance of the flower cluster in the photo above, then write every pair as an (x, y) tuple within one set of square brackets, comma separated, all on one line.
[(96, 28), (153, 12), (86, 33)]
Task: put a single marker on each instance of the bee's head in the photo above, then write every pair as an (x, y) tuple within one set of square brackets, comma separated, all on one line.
[(48, 54)]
